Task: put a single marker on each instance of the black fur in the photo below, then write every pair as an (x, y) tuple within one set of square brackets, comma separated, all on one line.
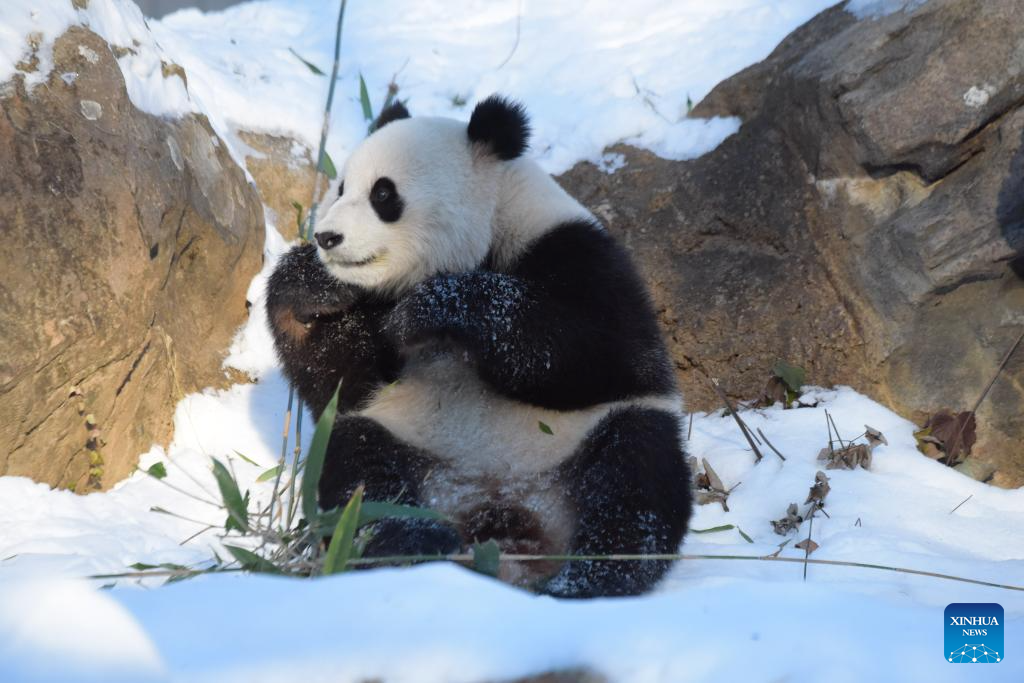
[(569, 326), (393, 112), (385, 200), (341, 325), (502, 125), (630, 487)]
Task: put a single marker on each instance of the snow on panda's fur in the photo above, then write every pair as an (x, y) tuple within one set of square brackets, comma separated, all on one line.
[(501, 361)]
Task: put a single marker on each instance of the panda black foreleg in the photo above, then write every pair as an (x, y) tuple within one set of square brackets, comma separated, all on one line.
[(630, 488), (361, 451)]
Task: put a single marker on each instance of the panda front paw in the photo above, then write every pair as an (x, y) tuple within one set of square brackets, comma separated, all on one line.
[(302, 289), (429, 311)]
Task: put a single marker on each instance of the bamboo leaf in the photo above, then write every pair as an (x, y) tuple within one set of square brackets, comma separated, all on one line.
[(231, 496), (315, 458), (309, 65), (157, 471), (372, 511), (364, 99), (746, 538), (328, 166), (340, 549), (486, 558), (244, 457), (251, 561), (714, 529), (792, 375), (269, 474), (544, 428)]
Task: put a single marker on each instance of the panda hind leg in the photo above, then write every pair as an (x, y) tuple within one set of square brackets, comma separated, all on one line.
[(629, 485), (361, 451)]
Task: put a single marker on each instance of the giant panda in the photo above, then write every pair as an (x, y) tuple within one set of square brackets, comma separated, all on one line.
[(498, 355)]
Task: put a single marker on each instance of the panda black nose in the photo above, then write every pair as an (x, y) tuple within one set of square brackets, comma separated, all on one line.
[(328, 240)]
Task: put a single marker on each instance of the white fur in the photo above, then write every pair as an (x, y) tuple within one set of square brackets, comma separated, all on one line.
[(441, 405), (448, 191)]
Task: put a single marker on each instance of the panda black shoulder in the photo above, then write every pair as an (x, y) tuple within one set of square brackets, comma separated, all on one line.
[(603, 310)]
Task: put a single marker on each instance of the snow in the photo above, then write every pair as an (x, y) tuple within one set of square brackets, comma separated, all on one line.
[(874, 9), (627, 77), (591, 75)]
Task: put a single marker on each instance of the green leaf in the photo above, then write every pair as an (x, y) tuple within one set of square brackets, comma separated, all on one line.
[(157, 471), (242, 455), (269, 474), (340, 549), (310, 65), (232, 497), (486, 558), (315, 458), (746, 538), (299, 214), (328, 166), (792, 375), (142, 566), (544, 428), (251, 561), (231, 523), (372, 511), (714, 529), (364, 99)]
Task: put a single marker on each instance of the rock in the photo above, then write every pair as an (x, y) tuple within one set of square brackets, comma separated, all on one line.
[(283, 170), (128, 243), (867, 222)]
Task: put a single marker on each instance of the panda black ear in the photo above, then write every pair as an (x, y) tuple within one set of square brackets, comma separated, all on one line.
[(393, 112), (500, 124)]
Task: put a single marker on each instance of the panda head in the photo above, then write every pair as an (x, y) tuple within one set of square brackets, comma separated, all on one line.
[(419, 195)]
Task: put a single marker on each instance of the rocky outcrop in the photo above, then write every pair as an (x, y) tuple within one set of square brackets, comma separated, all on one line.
[(283, 170), (866, 222), (128, 242)]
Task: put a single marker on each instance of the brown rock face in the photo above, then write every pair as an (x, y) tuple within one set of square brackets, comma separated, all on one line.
[(283, 170), (867, 222), (127, 243)]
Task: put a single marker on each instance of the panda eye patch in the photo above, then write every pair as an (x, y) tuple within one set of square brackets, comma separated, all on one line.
[(385, 200)]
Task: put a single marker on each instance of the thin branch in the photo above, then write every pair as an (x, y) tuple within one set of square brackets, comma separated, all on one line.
[(958, 437), (774, 449), (466, 558), (515, 45), (961, 503), (736, 416)]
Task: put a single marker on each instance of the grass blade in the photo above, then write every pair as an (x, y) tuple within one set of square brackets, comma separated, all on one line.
[(315, 459), (251, 561), (309, 65), (364, 99), (328, 167), (231, 496), (340, 549)]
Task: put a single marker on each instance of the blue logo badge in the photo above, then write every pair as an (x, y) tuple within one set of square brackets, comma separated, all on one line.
[(974, 633)]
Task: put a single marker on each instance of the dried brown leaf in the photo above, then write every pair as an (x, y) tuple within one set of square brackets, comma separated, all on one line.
[(714, 480), (874, 436), (819, 489), (807, 545), (791, 521)]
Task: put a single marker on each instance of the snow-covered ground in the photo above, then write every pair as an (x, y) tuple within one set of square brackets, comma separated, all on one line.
[(591, 74)]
